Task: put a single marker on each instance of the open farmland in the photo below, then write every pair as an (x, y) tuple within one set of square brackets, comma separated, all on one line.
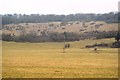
[(46, 60)]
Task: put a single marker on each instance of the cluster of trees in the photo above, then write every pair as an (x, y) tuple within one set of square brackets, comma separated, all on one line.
[(37, 18), (45, 37), (115, 44), (117, 37), (60, 37), (109, 34), (98, 35), (98, 45)]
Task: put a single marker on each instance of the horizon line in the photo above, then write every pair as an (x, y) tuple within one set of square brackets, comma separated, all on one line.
[(58, 14)]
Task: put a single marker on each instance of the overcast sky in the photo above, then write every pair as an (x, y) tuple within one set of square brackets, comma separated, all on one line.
[(57, 6)]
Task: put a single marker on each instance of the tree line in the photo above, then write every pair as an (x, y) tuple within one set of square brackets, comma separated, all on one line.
[(111, 17), (60, 37), (45, 37)]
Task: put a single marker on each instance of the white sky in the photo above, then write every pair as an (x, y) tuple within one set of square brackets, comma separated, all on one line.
[(57, 6)]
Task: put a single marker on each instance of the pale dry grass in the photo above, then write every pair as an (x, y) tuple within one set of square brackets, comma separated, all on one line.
[(0, 59), (46, 60), (57, 28)]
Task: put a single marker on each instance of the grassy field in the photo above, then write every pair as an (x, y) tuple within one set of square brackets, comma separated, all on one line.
[(46, 60), (0, 59)]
